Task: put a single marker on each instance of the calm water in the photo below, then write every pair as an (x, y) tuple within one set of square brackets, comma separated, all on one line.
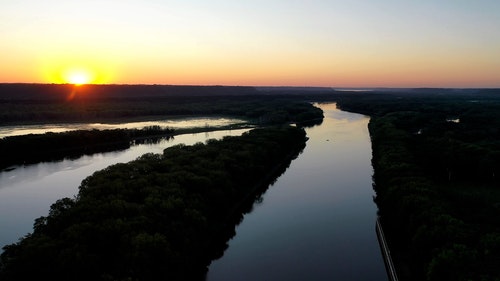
[(317, 222), (27, 192), (6, 131)]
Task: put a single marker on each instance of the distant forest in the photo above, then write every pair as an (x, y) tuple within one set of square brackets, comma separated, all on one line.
[(436, 159), (39, 103)]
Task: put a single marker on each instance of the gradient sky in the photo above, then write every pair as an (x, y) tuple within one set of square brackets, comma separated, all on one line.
[(357, 43)]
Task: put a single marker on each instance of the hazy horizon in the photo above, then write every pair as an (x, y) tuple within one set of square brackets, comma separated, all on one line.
[(253, 86)]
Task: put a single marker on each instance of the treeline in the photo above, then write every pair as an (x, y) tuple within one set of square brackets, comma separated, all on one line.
[(160, 217), (28, 149), (436, 160), (33, 148), (41, 103), (258, 109), (51, 92)]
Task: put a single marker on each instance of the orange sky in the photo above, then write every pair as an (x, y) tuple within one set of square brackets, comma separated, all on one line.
[(448, 43)]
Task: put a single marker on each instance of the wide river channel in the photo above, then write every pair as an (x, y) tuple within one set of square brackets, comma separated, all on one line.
[(316, 222)]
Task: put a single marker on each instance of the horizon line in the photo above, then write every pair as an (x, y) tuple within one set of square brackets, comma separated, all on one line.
[(251, 86)]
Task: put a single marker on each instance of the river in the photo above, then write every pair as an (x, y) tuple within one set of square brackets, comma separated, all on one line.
[(316, 222)]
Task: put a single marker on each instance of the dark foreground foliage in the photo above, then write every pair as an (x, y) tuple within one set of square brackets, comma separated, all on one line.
[(33, 148), (436, 159), (160, 217)]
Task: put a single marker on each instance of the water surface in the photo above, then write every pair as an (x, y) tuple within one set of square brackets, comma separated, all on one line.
[(317, 222), (177, 123)]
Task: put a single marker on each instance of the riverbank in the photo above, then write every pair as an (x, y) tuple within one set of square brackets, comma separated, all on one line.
[(386, 252)]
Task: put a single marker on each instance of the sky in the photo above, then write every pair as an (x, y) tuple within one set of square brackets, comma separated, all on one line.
[(332, 43)]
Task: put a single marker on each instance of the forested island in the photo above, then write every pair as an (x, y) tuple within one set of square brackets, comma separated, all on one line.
[(34, 148), (436, 160), (158, 217)]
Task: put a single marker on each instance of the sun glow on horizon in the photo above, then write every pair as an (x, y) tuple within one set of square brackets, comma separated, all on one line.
[(77, 70), (78, 77)]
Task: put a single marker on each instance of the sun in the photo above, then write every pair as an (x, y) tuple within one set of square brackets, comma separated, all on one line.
[(77, 70), (78, 77)]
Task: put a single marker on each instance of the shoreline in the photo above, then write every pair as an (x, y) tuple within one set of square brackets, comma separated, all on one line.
[(116, 145)]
